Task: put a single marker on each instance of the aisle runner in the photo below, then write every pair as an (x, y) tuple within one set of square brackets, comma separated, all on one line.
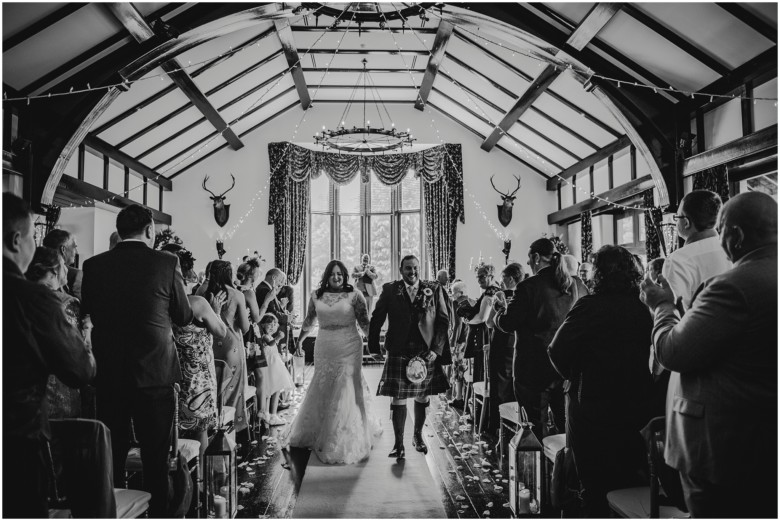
[(377, 487)]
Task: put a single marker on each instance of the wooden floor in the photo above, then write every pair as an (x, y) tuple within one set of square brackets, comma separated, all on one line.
[(468, 475)]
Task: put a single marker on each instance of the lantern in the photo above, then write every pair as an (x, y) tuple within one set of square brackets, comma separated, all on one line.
[(299, 366), (525, 469), (220, 477)]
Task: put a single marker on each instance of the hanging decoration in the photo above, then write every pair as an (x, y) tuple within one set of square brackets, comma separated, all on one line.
[(166, 236), (586, 236), (505, 208), (652, 227), (558, 243), (221, 210), (715, 179)]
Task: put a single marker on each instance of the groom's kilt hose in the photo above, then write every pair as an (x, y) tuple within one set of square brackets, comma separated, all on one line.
[(395, 383)]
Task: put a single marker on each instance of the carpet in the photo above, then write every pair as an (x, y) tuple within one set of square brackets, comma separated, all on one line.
[(378, 487)]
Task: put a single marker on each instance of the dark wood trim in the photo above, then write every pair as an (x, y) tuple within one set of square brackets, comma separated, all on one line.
[(145, 192), (287, 40), (610, 172), (243, 134), (701, 142), (170, 88), (127, 180), (438, 50), (101, 147), (755, 166), (620, 193), (82, 189), (531, 94), (754, 22), (340, 29), (560, 202), (574, 192), (358, 69), (365, 52), (748, 125), (592, 180), (81, 161), (598, 16), (690, 48), (739, 148), (633, 162), (161, 192), (40, 25), (592, 159), (106, 169)]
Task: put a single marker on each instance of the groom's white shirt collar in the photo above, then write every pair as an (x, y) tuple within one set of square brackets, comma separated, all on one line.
[(416, 285)]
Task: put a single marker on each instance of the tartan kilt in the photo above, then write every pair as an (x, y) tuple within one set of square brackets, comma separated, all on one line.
[(395, 384)]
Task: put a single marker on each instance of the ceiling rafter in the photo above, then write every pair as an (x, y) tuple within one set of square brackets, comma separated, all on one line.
[(129, 16), (293, 60), (339, 29), (360, 69), (599, 155), (595, 20), (41, 25), (368, 52), (754, 22), (437, 55)]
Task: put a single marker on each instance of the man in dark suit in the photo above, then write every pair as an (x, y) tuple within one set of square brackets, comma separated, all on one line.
[(65, 243), (39, 341), (418, 327), (721, 422), (132, 294), (269, 294)]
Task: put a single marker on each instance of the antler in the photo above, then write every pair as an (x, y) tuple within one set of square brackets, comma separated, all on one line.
[(518, 185), (231, 186), (496, 189), (204, 186)]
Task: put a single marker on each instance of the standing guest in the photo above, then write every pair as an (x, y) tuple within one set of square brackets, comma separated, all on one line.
[(230, 348), (113, 240), (655, 269), (133, 295), (65, 243), (38, 340), (586, 274), (364, 276), (458, 344), (268, 290), (502, 350), (287, 343), (48, 268), (602, 349), (200, 288), (443, 278), (247, 275), (538, 307), (725, 351), (274, 376), (477, 315), (418, 325)]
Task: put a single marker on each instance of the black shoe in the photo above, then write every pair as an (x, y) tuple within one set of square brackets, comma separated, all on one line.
[(398, 452), (456, 404), (283, 405), (418, 443)]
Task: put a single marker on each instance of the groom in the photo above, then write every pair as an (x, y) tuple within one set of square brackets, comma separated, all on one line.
[(418, 327)]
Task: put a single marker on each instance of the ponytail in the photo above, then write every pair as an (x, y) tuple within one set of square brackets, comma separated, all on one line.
[(562, 277)]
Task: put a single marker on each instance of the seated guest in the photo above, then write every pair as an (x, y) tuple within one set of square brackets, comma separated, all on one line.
[(65, 244), (721, 424), (502, 350), (48, 269), (538, 307), (602, 349), (39, 341), (458, 343)]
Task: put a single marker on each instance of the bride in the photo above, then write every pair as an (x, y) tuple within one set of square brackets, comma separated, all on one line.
[(335, 418)]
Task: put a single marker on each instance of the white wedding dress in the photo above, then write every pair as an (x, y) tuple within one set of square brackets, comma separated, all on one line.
[(335, 418)]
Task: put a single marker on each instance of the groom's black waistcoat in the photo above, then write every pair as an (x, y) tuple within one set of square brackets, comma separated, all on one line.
[(413, 335)]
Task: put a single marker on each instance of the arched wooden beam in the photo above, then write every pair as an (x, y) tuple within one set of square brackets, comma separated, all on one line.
[(61, 148)]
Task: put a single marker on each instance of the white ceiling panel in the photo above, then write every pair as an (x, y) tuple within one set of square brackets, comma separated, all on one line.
[(518, 150), (477, 83), (765, 10), (167, 128), (487, 66), (18, 16), (541, 146), (457, 114), (468, 101), (386, 41), (349, 79), (243, 85), (556, 133), (522, 58), (569, 88), (574, 120), (269, 111), (575, 12), (185, 141), (246, 105)]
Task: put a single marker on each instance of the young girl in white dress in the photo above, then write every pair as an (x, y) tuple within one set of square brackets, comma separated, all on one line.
[(274, 377)]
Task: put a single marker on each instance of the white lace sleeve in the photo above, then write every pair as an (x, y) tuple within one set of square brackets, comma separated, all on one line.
[(361, 311), (311, 315)]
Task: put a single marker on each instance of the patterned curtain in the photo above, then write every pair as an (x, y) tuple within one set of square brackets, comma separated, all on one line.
[(652, 220), (586, 241), (715, 179), (289, 205)]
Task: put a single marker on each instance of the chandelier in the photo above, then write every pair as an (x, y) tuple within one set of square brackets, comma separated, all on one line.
[(365, 139)]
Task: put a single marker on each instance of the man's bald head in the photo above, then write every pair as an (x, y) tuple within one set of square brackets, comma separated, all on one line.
[(746, 222), (275, 277)]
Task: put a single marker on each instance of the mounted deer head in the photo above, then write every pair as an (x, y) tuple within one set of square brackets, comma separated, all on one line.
[(221, 210), (505, 209)]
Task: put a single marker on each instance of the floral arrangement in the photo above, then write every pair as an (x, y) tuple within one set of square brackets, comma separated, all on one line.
[(166, 236), (558, 243)]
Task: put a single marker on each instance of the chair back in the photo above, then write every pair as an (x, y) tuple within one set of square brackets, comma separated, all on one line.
[(661, 474), (81, 449), (222, 370)]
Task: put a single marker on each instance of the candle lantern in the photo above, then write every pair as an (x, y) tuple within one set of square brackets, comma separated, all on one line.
[(220, 476), (525, 470), (299, 366)]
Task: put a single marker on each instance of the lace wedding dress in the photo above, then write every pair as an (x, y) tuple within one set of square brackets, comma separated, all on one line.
[(335, 419)]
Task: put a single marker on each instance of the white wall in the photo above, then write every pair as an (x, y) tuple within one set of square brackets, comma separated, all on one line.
[(193, 219), (92, 227)]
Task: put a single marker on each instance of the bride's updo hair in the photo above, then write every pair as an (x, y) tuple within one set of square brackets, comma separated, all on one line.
[(324, 286)]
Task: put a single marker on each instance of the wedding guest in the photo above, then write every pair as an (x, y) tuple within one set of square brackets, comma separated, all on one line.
[(586, 275), (364, 276), (287, 343), (200, 288), (48, 269), (443, 278), (230, 347), (113, 240), (478, 334), (538, 307), (247, 275), (724, 349), (267, 292), (655, 269), (38, 340), (458, 344), (502, 350), (133, 295), (65, 244), (602, 349), (274, 376)]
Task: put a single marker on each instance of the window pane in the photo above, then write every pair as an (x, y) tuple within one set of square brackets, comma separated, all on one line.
[(625, 230), (641, 218), (320, 247), (764, 183), (410, 234), (350, 240), (410, 192), (349, 197), (381, 248), (380, 196), (320, 194)]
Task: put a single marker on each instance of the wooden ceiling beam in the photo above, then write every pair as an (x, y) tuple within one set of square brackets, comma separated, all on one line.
[(620, 193), (110, 151), (437, 55), (589, 161), (135, 24), (751, 20), (599, 15), (40, 25), (340, 29), (737, 149), (293, 60), (690, 48), (357, 70), (368, 52)]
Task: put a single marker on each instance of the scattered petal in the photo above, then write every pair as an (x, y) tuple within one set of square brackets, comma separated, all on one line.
[(485, 481), (504, 480), (489, 505), (486, 513), (498, 488), (460, 498)]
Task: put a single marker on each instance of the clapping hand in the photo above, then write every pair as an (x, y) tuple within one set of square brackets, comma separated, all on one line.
[(653, 294), (217, 300), (499, 302)]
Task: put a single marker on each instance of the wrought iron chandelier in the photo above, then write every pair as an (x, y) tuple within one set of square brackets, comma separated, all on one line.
[(365, 139)]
